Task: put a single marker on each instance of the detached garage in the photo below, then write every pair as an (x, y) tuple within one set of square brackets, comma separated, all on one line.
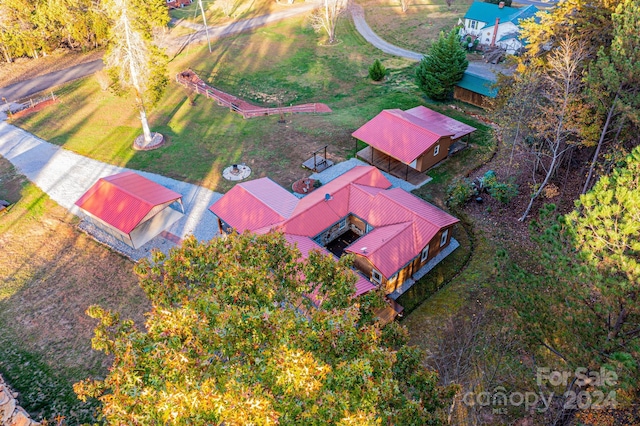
[(131, 208)]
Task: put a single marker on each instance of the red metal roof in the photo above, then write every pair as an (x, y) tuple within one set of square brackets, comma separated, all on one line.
[(435, 119), (403, 223), (388, 248), (124, 199), (305, 245), (406, 135), (255, 204), (401, 135)]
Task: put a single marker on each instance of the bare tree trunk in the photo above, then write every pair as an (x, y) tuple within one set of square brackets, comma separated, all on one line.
[(554, 160), (602, 134), (146, 131)]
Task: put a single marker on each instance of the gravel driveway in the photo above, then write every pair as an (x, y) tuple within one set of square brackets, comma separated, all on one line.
[(65, 176)]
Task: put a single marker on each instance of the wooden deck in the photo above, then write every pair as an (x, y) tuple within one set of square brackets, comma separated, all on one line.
[(317, 163), (392, 166)]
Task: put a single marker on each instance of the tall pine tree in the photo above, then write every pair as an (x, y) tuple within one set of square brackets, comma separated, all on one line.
[(442, 67)]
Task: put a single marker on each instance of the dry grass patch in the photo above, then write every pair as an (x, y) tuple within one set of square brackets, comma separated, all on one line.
[(419, 26), (49, 274)]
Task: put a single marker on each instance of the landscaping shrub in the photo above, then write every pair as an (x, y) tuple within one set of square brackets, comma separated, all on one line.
[(503, 191), (459, 192), (377, 71)]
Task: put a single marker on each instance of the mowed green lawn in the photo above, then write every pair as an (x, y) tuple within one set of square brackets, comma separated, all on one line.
[(281, 64)]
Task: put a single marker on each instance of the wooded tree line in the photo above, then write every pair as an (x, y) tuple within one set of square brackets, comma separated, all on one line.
[(577, 87), (33, 28)]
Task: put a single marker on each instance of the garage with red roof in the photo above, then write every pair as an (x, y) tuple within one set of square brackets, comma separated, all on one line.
[(131, 207)]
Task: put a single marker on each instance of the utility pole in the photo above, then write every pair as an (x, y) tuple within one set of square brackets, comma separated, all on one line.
[(206, 29)]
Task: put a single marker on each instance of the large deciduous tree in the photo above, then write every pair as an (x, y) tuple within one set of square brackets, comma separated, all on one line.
[(442, 67), (555, 126), (325, 18), (233, 339), (134, 63)]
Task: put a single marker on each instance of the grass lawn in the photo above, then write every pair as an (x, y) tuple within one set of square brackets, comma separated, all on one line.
[(49, 274), (417, 28), (240, 9), (280, 64)]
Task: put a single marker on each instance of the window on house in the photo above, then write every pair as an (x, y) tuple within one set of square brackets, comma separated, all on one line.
[(343, 223), (443, 238), (436, 150), (473, 24), (425, 253), (375, 276)]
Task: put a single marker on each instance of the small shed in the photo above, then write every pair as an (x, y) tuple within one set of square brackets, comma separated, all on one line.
[(131, 208), (475, 90), (417, 138)]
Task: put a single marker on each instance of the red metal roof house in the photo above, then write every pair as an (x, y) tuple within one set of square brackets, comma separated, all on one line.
[(130, 207), (417, 138), (392, 233)]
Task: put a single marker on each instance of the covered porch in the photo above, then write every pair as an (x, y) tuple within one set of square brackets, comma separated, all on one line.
[(391, 165)]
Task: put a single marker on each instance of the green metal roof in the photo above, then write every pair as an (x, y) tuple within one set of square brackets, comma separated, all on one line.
[(477, 84), (488, 12)]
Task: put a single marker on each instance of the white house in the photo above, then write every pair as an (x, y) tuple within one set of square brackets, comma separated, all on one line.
[(496, 24)]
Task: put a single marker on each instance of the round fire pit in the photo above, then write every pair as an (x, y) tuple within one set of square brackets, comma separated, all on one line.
[(236, 172)]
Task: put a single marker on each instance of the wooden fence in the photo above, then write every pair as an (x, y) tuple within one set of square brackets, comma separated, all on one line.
[(191, 81)]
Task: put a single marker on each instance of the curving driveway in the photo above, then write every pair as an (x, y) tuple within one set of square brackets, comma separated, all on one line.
[(482, 69)]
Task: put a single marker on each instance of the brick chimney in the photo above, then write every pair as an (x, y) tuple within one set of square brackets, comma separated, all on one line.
[(500, 5), (495, 31)]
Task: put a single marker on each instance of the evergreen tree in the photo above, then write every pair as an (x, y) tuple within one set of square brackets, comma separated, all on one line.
[(580, 306), (442, 67), (233, 339), (613, 80), (377, 71)]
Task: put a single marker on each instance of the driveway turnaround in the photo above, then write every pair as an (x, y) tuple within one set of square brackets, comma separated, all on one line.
[(65, 176)]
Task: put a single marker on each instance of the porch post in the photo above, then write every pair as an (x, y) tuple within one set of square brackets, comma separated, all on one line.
[(389, 166), (372, 148), (406, 174)]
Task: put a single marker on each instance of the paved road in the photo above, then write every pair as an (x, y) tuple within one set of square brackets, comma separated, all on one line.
[(478, 68), (27, 88)]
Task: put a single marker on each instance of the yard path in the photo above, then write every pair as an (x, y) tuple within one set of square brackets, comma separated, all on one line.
[(482, 69), (65, 176), (23, 89)]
